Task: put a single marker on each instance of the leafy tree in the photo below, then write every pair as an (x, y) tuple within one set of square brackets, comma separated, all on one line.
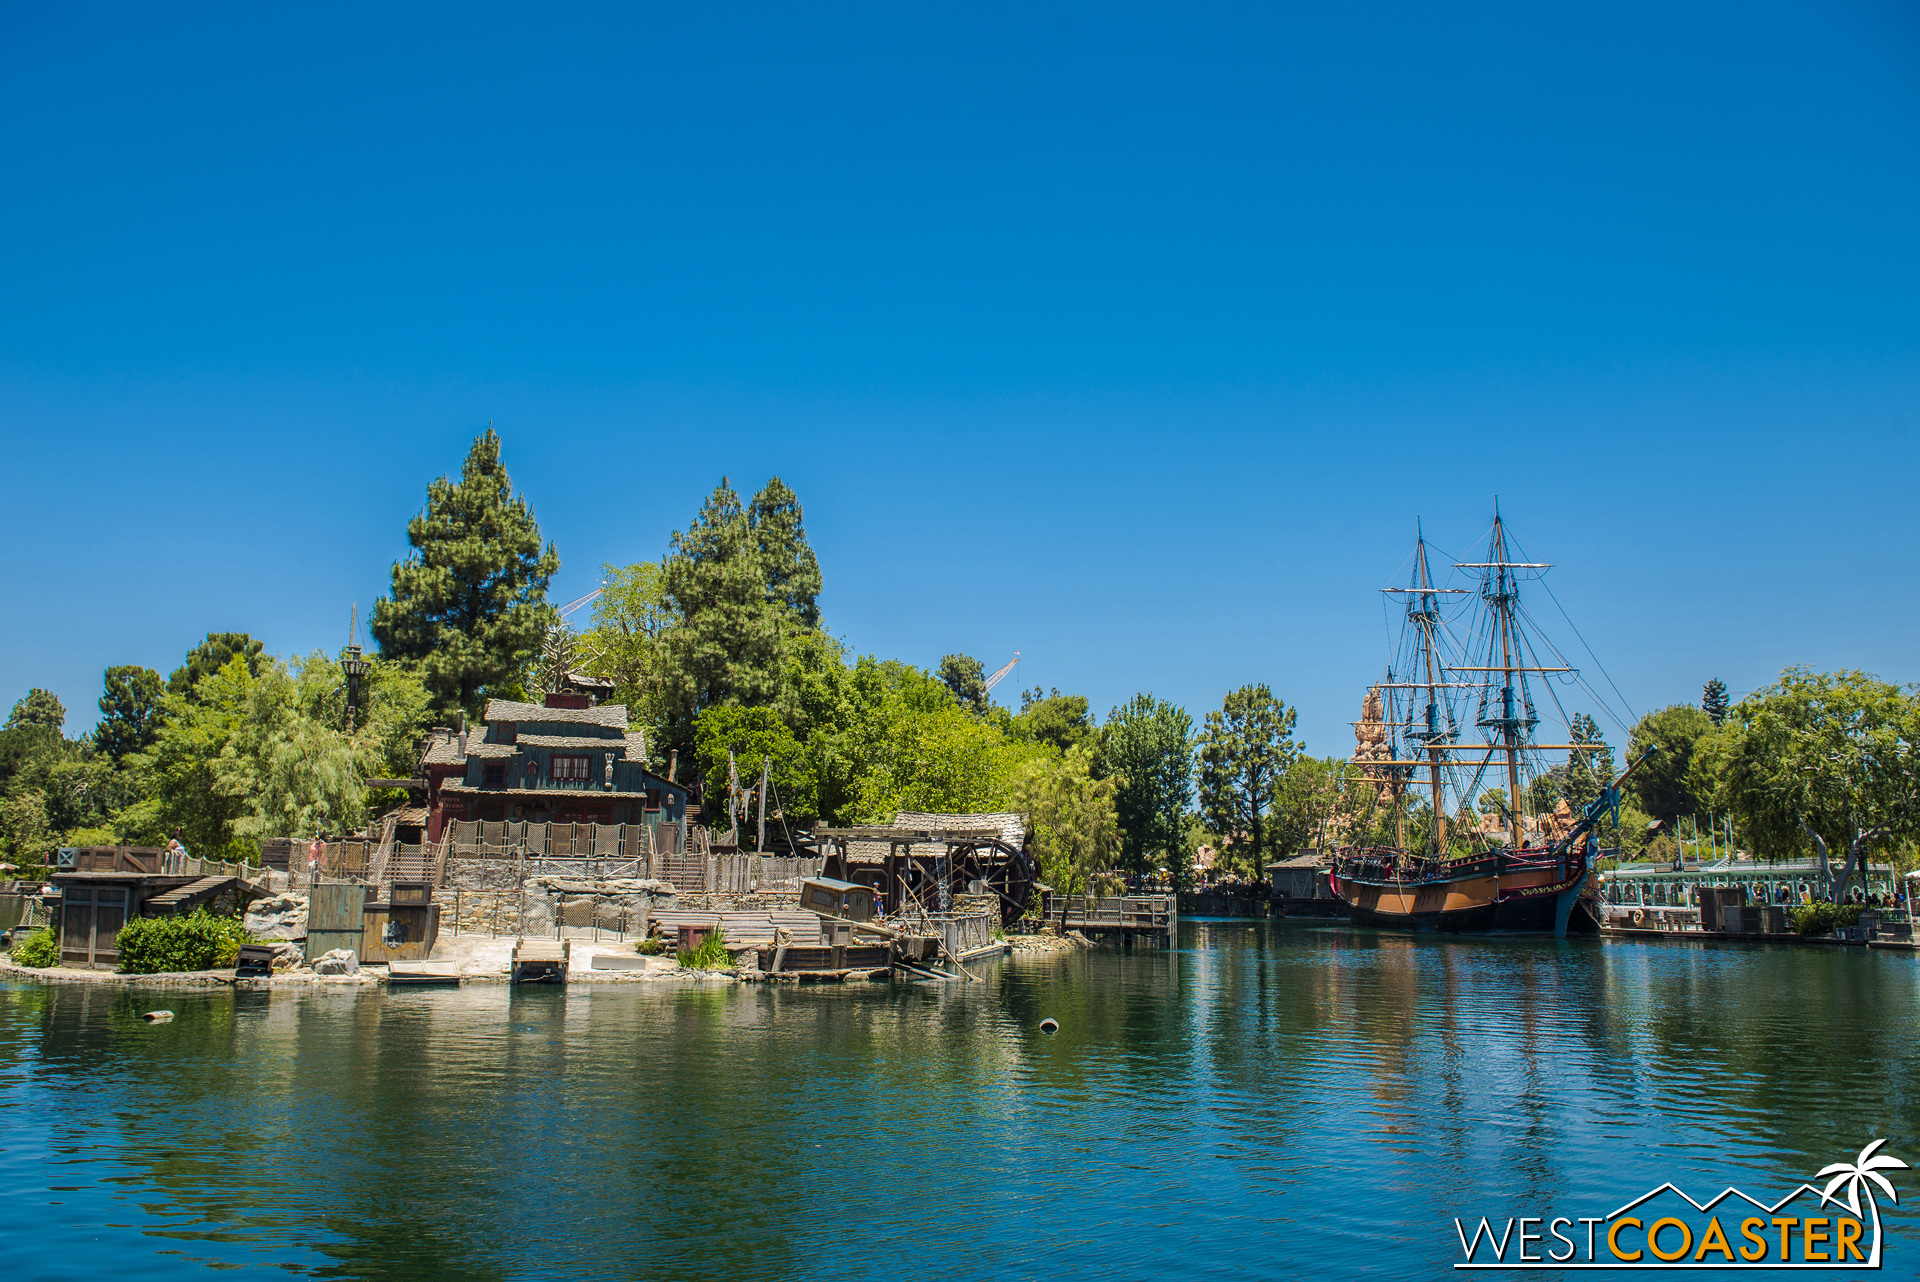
[(1831, 756), (1662, 785), (625, 643), (1713, 701), (1245, 750), (1148, 751), (1075, 835), (39, 708), (966, 677), (250, 760), (1314, 802), (129, 710), (754, 736), (788, 566), (212, 655), (1060, 720), (906, 745), (469, 603)]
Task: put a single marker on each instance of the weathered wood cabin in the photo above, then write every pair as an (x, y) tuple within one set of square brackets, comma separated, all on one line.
[(561, 763), (102, 888)]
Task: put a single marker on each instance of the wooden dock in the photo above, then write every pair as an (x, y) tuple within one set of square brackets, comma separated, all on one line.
[(541, 961), (1145, 918)]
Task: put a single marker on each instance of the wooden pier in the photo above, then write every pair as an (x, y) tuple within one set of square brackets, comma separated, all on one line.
[(1146, 918)]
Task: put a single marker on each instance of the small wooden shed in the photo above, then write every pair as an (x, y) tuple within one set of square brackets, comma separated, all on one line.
[(95, 904)]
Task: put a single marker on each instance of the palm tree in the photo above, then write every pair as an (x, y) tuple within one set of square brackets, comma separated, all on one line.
[(1855, 1178)]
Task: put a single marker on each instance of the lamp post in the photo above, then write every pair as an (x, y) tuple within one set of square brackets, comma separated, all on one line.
[(355, 668)]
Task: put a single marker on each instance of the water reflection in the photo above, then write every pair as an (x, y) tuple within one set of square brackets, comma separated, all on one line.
[(1264, 1082)]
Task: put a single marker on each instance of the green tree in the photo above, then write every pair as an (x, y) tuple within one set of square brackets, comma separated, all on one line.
[(1311, 804), (754, 736), (250, 760), (1662, 784), (39, 708), (129, 710), (907, 746), (726, 644), (1148, 750), (788, 565), (625, 643), (1713, 700), (966, 677), (1059, 720), (1834, 757), (212, 655), (469, 603), (1075, 835), (1245, 750)]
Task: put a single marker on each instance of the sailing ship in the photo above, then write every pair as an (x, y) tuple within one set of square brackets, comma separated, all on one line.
[(1457, 704)]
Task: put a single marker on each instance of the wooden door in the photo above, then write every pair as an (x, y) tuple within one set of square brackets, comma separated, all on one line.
[(109, 915), (76, 926)]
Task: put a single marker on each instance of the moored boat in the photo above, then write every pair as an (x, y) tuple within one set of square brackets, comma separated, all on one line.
[(1513, 858)]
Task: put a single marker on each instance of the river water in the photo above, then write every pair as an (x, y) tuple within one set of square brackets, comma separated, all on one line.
[(1267, 1100)]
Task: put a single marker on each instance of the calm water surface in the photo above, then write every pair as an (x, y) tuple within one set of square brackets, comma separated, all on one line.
[(1267, 1100)]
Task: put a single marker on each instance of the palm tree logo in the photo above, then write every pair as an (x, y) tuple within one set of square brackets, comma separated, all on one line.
[(1863, 1175)]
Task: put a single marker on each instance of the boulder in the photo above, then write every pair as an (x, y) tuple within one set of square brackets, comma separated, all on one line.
[(278, 917), (337, 961)]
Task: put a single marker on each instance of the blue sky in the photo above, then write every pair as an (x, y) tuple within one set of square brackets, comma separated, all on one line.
[(1133, 339)]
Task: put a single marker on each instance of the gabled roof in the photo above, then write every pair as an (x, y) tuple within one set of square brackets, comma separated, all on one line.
[(613, 715)]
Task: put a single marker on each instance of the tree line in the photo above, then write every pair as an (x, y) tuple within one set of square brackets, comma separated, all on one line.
[(720, 651)]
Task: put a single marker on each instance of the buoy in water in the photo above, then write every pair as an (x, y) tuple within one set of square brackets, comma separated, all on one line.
[(1049, 1025), (158, 1017)]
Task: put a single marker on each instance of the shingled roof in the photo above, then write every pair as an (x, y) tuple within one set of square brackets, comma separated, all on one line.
[(612, 715)]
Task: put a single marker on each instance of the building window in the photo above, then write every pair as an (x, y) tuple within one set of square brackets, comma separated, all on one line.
[(494, 774), (571, 769), (653, 799), (504, 731)]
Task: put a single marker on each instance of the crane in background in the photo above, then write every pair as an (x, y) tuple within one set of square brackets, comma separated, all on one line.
[(1000, 675)]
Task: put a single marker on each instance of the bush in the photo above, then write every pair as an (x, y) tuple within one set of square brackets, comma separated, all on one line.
[(200, 941), (1824, 919), (37, 950), (710, 955), (651, 946)]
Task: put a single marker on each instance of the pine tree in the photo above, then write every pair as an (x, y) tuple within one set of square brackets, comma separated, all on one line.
[(791, 570), (1713, 700), (743, 586), (1244, 754), (39, 708), (210, 656), (470, 602), (966, 677), (129, 711)]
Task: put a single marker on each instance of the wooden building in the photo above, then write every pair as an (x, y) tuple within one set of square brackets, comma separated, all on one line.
[(108, 886), (551, 763)]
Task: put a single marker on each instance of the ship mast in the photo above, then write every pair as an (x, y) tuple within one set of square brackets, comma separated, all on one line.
[(1428, 615), (1510, 721)]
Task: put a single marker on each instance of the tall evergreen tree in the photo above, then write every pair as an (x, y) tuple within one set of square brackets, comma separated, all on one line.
[(39, 708), (1244, 754), (787, 562), (726, 644), (210, 656), (129, 710), (1713, 700), (742, 586), (966, 677), (470, 602), (1149, 750)]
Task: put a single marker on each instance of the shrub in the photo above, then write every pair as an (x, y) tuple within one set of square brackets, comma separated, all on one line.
[(651, 946), (1824, 919), (37, 950), (710, 955), (200, 941)]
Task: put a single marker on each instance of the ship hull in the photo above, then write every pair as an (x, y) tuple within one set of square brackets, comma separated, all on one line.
[(1524, 899)]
